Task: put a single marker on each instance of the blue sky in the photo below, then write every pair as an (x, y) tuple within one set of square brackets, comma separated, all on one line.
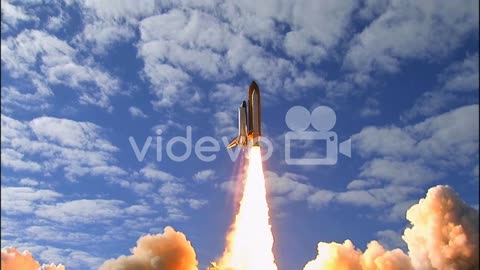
[(80, 77)]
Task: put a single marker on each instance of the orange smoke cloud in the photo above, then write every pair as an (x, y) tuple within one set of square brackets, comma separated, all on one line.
[(443, 236), (168, 251), (444, 232), (12, 259), (346, 257)]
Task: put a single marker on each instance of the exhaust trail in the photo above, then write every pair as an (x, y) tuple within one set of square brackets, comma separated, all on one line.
[(250, 241)]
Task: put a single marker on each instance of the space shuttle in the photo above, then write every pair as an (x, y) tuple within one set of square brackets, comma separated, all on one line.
[(249, 120)]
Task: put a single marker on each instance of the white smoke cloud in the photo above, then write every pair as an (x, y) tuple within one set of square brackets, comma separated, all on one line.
[(168, 251), (443, 236), (12, 259)]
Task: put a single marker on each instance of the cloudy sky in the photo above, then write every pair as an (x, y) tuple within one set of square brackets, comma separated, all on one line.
[(79, 78)]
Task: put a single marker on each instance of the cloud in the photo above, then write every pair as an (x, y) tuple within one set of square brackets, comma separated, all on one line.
[(399, 172), (320, 198), (444, 232), (28, 182), (283, 188), (287, 186), (359, 198), (12, 259), (82, 211), (12, 15), (174, 193), (382, 197), (458, 83), (225, 97), (391, 239), (70, 133), (171, 189), (174, 196), (430, 103), (101, 35), (346, 256), (387, 141), (167, 126), (48, 204), (109, 22), (168, 251), (213, 41), (53, 234), (56, 22), (316, 28), (181, 43), (17, 200), (28, 100), (187, 42), (73, 259), (205, 175), (59, 212), (452, 132), (461, 76), (443, 235), (48, 143), (398, 210), (120, 9), (413, 30), (136, 112), (150, 172), (425, 150), (14, 160), (370, 108), (359, 184), (392, 199), (51, 216), (48, 61)]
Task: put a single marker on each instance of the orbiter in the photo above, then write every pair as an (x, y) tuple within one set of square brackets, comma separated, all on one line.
[(249, 119)]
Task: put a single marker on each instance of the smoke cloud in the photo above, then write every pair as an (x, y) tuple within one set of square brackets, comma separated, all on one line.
[(444, 232), (168, 251), (12, 259), (443, 235), (346, 257)]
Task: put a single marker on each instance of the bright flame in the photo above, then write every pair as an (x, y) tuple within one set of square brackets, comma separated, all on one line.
[(249, 244)]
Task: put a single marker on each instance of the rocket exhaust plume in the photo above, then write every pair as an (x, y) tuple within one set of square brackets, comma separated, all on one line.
[(250, 242)]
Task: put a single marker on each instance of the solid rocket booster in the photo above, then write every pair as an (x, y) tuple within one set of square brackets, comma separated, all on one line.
[(241, 139), (250, 130)]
